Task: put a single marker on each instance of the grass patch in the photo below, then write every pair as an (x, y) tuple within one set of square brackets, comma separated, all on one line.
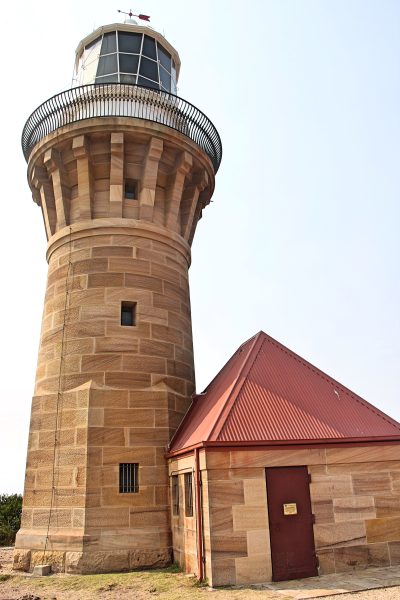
[(5, 577)]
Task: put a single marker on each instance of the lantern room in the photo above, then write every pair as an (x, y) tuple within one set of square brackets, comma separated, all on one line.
[(127, 53)]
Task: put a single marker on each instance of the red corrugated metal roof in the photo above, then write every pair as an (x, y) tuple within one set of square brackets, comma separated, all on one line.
[(266, 394)]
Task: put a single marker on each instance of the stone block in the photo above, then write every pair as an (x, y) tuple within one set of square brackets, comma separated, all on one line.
[(330, 486), (117, 343), (394, 552), (153, 559), (249, 517), (225, 493), (109, 398), (142, 455), (340, 534), (125, 417), (255, 493), (126, 379), (143, 282), (387, 506), (146, 364), (21, 559), (125, 251), (323, 511), (223, 571), (361, 557), (326, 560), (96, 562), (105, 280), (354, 508), (156, 348), (148, 399), (148, 436), (371, 483), (41, 570), (101, 362), (114, 517), (229, 544), (253, 569), (112, 497), (129, 265), (106, 436), (277, 458), (383, 530), (366, 454), (258, 542), (166, 334)]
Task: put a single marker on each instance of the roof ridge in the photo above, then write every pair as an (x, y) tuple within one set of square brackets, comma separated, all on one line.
[(230, 401), (330, 379), (209, 386)]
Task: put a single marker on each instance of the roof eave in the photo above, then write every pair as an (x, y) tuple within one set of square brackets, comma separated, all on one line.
[(280, 444)]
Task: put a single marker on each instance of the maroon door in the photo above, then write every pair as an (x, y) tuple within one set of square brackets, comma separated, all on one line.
[(290, 523)]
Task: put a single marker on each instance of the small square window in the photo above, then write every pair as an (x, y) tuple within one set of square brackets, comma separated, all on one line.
[(128, 314), (175, 494), (130, 189), (188, 495), (128, 478)]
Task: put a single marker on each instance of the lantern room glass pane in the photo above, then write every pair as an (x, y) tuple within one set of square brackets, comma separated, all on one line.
[(108, 79), (107, 64), (149, 68), (165, 79), (164, 58), (109, 43), (149, 47), (128, 63), (127, 78), (148, 83), (129, 42)]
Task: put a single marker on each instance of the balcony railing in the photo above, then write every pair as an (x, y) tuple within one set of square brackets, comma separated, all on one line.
[(122, 100)]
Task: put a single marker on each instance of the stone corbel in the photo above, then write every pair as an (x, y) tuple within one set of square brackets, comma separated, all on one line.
[(42, 192), (117, 174), (148, 182), (62, 195), (173, 194), (81, 152), (192, 204)]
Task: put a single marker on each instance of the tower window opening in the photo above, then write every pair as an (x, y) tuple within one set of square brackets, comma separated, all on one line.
[(130, 189), (129, 478), (175, 494), (128, 314), (188, 495)]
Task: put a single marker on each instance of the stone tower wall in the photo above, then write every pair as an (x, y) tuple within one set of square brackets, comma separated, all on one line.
[(107, 394)]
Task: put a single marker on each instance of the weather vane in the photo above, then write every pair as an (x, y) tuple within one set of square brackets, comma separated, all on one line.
[(130, 15)]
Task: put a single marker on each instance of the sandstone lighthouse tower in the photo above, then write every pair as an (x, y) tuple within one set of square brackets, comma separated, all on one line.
[(122, 169)]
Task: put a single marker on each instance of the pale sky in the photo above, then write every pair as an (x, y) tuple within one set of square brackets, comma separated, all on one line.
[(301, 239)]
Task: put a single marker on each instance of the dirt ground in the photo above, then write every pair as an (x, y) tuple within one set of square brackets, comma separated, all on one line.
[(162, 584)]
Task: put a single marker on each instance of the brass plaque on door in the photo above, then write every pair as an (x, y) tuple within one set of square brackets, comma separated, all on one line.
[(290, 509)]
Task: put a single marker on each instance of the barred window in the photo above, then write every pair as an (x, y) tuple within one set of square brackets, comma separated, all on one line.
[(175, 494), (128, 478), (188, 495)]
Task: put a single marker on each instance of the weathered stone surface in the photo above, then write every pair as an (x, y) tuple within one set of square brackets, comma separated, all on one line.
[(149, 558), (56, 560), (21, 560), (96, 562)]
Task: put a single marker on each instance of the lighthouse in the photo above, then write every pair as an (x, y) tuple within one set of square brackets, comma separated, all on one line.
[(122, 169)]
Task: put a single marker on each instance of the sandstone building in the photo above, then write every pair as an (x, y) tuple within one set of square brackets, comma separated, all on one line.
[(124, 470)]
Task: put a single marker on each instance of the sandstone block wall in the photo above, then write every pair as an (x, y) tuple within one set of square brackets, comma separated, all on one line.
[(355, 496), (107, 394)]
